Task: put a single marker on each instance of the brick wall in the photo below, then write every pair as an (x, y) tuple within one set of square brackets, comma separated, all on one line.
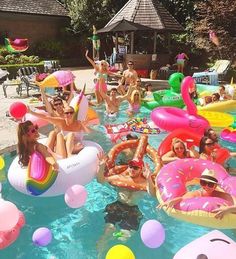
[(33, 27)]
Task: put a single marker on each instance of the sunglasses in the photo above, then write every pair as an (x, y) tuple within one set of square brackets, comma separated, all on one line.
[(57, 104), (130, 64), (66, 113), (33, 130), (134, 167), (206, 183), (210, 144), (138, 81), (136, 95)]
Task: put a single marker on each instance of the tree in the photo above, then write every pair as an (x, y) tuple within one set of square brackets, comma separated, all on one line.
[(220, 17)]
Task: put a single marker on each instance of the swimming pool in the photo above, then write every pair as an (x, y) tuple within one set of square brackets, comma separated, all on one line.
[(75, 232)]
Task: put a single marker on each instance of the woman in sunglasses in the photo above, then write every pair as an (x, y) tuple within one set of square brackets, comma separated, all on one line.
[(207, 149), (69, 137), (208, 183), (27, 144), (179, 151)]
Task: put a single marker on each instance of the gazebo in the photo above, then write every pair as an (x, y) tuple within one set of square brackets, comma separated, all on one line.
[(146, 15)]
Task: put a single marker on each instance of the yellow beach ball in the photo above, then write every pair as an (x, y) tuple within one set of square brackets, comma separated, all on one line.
[(120, 252)]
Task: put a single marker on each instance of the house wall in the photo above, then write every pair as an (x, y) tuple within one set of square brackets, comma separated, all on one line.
[(33, 27)]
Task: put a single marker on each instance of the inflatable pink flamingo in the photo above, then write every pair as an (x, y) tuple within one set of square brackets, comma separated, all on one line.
[(170, 118)]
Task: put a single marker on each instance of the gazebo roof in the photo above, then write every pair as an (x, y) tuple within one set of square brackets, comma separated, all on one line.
[(124, 25), (150, 13)]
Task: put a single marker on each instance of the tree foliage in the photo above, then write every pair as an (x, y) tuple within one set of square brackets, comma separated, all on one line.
[(219, 16)]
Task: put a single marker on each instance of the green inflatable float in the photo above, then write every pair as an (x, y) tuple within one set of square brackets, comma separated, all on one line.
[(170, 97)]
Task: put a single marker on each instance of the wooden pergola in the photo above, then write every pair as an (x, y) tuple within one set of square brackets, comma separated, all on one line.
[(148, 13)]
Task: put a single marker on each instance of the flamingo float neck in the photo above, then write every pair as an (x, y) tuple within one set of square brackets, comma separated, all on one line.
[(188, 83)]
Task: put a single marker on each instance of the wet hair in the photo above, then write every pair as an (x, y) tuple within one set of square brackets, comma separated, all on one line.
[(207, 132), (23, 145), (175, 141), (113, 89), (222, 86), (217, 95), (147, 85), (131, 136)]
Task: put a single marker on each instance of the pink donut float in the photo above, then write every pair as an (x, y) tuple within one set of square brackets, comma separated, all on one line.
[(10, 236), (170, 118), (172, 182)]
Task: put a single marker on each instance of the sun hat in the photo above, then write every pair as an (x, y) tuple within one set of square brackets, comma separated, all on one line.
[(136, 162), (209, 176)]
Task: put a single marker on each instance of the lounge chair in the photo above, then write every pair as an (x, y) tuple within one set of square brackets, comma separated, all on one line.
[(27, 75), (215, 74)]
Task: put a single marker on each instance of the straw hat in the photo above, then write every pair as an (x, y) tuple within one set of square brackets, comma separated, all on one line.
[(209, 176)]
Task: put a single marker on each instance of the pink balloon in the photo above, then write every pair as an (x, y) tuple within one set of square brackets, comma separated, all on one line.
[(9, 215), (18, 110), (75, 196), (152, 233), (36, 120)]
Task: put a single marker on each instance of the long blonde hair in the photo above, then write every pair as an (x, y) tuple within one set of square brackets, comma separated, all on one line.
[(175, 141), (132, 96), (23, 145), (102, 67)]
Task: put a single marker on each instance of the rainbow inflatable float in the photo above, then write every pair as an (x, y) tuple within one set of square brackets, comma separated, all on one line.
[(172, 182)]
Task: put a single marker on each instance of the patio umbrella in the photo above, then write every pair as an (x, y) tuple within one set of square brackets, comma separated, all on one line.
[(124, 25)]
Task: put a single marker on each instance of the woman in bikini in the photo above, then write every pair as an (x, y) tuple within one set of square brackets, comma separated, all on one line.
[(134, 103), (69, 138), (180, 58), (102, 71), (27, 144)]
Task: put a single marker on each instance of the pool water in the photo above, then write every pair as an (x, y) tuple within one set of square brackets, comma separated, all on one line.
[(76, 231)]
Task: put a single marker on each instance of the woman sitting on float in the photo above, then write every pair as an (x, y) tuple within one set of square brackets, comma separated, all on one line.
[(68, 140), (27, 144), (192, 139), (179, 151), (208, 184)]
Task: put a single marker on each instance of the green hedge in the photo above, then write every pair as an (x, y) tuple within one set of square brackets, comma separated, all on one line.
[(12, 69)]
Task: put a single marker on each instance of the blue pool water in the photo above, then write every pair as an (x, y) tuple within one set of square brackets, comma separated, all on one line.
[(76, 231)]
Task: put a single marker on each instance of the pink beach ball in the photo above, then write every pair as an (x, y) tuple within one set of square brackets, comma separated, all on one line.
[(76, 196)]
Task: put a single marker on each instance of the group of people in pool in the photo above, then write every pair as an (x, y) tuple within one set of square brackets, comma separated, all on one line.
[(65, 140), (129, 88)]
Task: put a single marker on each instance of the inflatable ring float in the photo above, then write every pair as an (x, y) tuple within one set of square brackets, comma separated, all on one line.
[(142, 147), (172, 182)]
